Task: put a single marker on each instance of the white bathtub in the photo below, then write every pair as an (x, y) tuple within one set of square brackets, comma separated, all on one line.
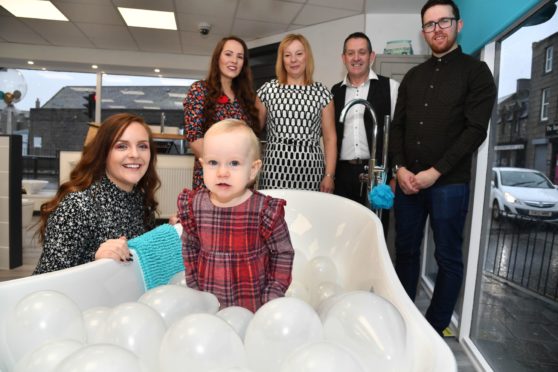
[(320, 225)]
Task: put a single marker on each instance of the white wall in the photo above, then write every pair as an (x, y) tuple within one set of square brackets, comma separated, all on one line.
[(382, 28), (326, 40)]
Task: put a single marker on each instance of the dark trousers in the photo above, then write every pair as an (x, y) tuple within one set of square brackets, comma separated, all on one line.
[(447, 207), (347, 185)]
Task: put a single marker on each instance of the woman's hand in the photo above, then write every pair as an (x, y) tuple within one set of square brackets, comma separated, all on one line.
[(117, 249), (173, 220), (327, 184)]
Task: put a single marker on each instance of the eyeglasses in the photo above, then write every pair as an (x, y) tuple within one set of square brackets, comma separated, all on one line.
[(442, 23)]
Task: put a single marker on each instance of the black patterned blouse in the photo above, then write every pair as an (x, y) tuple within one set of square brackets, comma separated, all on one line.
[(85, 219)]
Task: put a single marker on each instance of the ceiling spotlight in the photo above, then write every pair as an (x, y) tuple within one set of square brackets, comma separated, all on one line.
[(30, 62), (94, 67), (156, 70)]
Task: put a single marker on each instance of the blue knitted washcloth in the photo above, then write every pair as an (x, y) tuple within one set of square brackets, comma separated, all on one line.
[(160, 255)]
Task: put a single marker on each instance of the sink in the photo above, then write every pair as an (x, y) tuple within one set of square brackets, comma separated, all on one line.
[(33, 186)]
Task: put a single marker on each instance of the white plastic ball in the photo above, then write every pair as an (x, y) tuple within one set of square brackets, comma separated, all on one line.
[(237, 317), (102, 358), (318, 270), (94, 320), (173, 302), (200, 343), (278, 328), (41, 317), (299, 290), (48, 356), (138, 328), (322, 356), (371, 327)]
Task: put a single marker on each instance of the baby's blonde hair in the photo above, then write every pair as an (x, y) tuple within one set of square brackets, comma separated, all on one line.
[(232, 125)]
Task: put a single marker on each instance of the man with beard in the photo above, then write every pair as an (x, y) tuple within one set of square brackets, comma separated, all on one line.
[(354, 134), (441, 118)]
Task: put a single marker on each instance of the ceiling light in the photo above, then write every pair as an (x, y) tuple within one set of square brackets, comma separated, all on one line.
[(148, 18), (156, 70), (33, 9), (30, 62), (94, 67)]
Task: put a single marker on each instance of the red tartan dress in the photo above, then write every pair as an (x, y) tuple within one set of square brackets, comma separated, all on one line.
[(241, 254)]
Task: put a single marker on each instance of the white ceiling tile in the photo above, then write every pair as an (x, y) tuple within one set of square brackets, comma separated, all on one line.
[(90, 13), (15, 31), (194, 43), (293, 27), (394, 6), (312, 14), (162, 5), (218, 8), (345, 4), (268, 10), (152, 40), (59, 33), (95, 2), (108, 36), (251, 30), (219, 25)]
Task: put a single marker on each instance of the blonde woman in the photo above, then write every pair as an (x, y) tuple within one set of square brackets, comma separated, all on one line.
[(298, 111)]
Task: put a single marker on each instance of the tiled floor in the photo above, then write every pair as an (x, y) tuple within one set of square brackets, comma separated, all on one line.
[(463, 363), (31, 254)]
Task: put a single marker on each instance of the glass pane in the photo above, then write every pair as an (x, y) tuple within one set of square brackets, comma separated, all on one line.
[(157, 100), (50, 117), (516, 312)]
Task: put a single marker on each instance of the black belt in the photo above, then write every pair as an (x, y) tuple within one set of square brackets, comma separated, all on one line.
[(355, 161), (293, 142)]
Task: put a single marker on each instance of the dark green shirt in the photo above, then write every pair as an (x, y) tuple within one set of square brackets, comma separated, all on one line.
[(441, 116)]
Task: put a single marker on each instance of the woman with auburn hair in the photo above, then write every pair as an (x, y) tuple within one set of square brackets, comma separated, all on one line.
[(109, 198), (226, 93), (299, 111)]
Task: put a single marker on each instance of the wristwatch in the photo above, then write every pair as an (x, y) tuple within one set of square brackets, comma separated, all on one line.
[(395, 168)]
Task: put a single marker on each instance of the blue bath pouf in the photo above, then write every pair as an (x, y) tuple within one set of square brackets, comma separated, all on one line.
[(381, 197)]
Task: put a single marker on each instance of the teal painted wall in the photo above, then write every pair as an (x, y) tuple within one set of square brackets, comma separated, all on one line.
[(485, 19)]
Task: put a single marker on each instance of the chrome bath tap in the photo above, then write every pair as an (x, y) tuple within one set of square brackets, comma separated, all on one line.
[(376, 170)]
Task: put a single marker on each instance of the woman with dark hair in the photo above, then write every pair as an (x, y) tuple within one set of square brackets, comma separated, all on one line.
[(299, 111), (109, 198), (226, 93)]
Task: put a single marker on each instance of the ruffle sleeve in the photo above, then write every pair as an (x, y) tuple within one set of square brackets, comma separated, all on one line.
[(272, 212), (186, 211)]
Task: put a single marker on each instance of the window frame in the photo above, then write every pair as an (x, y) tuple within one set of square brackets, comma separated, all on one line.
[(548, 59), (545, 103)]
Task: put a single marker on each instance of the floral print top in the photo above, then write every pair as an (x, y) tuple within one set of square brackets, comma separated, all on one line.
[(194, 120)]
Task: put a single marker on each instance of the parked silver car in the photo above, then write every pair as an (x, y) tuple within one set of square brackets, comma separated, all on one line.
[(523, 192)]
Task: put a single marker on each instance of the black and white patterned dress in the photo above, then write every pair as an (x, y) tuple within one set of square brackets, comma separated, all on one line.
[(85, 219), (293, 158)]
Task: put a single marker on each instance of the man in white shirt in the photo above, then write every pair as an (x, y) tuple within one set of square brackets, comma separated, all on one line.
[(354, 135)]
